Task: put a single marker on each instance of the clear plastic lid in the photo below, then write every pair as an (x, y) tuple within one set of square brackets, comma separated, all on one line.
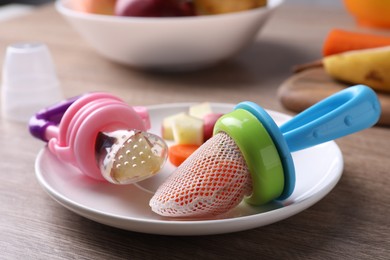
[(29, 82)]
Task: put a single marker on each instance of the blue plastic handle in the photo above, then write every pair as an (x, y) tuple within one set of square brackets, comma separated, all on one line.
[(346, 112)]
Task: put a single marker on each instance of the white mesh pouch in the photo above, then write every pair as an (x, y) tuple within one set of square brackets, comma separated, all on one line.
[(211, 181)]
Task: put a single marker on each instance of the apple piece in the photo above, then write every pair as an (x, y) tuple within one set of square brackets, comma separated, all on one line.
[(187, 8), (167, 123), (94, 6), (200, 110), (209, 121), (154, 8), (187, 130)]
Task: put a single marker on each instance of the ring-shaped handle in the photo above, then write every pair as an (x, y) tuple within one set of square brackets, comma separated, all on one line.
[(346, 112)]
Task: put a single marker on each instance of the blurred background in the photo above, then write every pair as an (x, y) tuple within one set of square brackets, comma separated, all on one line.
[(14, 8), (38, 2), (28, 2)]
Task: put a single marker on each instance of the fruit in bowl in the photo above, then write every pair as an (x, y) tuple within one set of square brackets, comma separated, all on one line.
[(165, 8), (95, 6), (154, 8), (226, 6), (178, 43)]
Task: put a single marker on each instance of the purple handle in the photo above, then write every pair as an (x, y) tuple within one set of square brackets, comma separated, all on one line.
[(47, 117)]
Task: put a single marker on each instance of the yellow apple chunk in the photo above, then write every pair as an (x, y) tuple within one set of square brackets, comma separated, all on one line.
[(166, 128), (188, 130), (200, 110)]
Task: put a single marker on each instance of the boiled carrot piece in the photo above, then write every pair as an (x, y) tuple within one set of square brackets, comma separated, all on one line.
[(339, 41), (180, 152)]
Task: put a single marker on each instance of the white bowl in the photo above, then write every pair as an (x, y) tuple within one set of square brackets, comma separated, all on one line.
[(177, 43)]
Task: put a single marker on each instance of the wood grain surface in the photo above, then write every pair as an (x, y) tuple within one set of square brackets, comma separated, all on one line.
[(352, 222), (306, 88)]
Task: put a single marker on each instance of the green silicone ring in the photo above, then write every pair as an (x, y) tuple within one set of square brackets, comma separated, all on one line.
[(259, 152)]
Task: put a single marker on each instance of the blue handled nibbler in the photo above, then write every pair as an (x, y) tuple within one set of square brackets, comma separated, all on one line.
[(348, 111), (249, 156)]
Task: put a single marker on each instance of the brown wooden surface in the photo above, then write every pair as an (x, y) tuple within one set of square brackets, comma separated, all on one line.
[(307, 87), (352, 222)]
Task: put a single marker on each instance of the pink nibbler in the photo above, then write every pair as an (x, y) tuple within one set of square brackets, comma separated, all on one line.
[(72, 138)]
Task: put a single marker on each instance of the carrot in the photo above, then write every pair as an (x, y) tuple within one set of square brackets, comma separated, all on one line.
[(339, 41), (180, 152)]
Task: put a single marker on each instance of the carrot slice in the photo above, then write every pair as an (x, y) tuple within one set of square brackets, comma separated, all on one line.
[(180, 152), (339, 41)]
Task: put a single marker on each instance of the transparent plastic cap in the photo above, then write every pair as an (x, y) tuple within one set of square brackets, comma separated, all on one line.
[(29, 81)]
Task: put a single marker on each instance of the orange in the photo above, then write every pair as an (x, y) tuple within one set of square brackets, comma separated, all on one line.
[(372, 13)]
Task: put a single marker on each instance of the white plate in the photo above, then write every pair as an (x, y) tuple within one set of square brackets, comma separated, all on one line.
[(318, 169)]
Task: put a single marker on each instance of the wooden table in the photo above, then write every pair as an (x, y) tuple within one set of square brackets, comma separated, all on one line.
[(352, 222)]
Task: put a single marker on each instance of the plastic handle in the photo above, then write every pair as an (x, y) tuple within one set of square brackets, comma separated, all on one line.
[(48, 117), (348, 111)]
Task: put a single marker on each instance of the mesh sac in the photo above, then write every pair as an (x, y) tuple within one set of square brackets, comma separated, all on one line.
[(210, 182)]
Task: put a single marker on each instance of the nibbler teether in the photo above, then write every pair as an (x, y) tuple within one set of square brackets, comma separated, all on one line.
[(249, 155), (102, 136)]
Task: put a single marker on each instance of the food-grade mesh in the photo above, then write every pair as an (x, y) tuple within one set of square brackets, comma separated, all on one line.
[(210, 182)]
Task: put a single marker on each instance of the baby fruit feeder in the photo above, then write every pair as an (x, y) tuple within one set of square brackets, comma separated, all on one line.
[(102, 136), (249, 155)]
